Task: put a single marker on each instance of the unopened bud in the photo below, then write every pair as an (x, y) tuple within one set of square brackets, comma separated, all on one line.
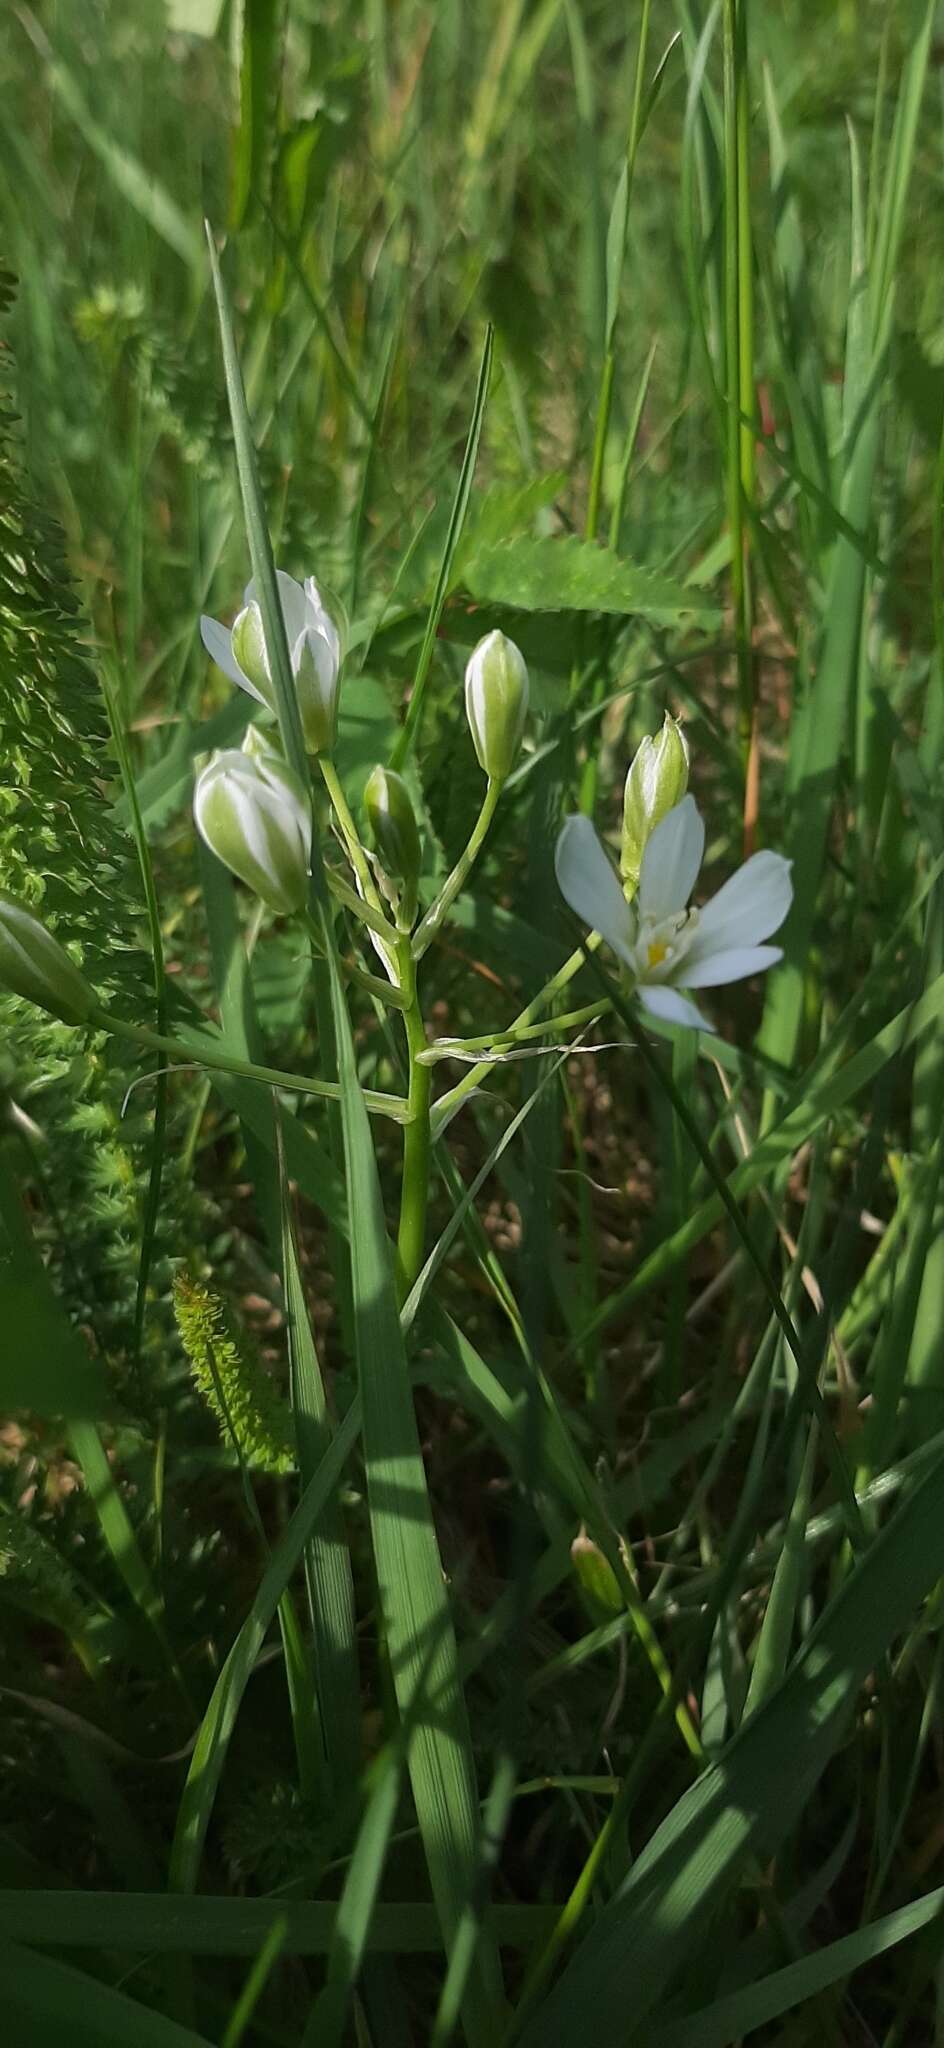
[(496, 703), (261, 745), (34, 965), (255, 816), (315, 666), (392, 822), (314, 652), (657, 781), (249, 653), (596, 1575)]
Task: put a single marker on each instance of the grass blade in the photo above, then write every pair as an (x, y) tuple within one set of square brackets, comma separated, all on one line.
[(219, 1720), (414, 1604), (407, 737), (48, 2002), (327, 1562), (748, 1799)]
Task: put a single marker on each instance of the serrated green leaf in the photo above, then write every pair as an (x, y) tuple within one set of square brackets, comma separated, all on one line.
[(568, 574)]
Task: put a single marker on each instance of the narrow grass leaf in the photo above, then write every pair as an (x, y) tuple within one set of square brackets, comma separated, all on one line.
[(408, 732), (48, 2002), (327, 1560), (734, 2017), (219, 1720), (747, 1801), (414, 1603), (230, 1926)]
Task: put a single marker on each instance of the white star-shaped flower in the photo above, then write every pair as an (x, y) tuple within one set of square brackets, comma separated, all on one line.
[(665, 945)]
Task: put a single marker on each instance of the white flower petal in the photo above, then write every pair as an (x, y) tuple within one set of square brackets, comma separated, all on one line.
[(294, 604), (671, 861), (734, 965), (218, 643), (588, 883), (747, 908), (671, 1007), (315, 643), (320, 618)]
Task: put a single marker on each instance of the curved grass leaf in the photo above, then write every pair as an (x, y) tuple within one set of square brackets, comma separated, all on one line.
[(219, 1720), (730, 2019), (47, 2002), (747, 1801)]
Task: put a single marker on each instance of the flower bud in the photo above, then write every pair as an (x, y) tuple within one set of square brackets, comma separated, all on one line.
[(255, 816), (390, 816), (496, 703), (249, 653), (315, 666), (314, 647), (261, 745), (34, 965), (596, 1576), (657, 781)]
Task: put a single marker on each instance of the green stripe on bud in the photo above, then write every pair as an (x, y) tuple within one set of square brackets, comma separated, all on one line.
[(496, 703), (34, 965), (315, 666), (390, 816), (249, 651), (255, 816), (657, 781)]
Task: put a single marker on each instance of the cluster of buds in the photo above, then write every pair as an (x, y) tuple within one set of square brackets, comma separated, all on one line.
[(248, 805)]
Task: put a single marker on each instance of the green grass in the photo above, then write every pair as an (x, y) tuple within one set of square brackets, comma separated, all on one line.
[(619, 330)]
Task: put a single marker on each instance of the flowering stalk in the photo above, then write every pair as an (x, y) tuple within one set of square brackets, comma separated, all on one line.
[(438, 912), (447, 1105), (202, 1054), (414, 1187)]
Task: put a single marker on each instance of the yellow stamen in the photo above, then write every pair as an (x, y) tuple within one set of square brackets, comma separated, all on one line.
[(657, 954)]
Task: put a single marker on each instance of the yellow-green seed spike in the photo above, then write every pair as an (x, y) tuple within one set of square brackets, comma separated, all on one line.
[(229, 1374)]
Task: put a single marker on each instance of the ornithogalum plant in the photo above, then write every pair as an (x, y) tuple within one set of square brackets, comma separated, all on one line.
[(256, 814)]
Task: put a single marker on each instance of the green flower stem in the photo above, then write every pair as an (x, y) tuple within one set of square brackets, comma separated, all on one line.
[(414, 1189), (200, 1054), (481, 1072), (496, 1041), (438, 911)]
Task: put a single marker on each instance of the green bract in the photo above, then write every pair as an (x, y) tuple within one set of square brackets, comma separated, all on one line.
[(390, 815), (657, 781), (34, 965), (255, 816), (496, 703)]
